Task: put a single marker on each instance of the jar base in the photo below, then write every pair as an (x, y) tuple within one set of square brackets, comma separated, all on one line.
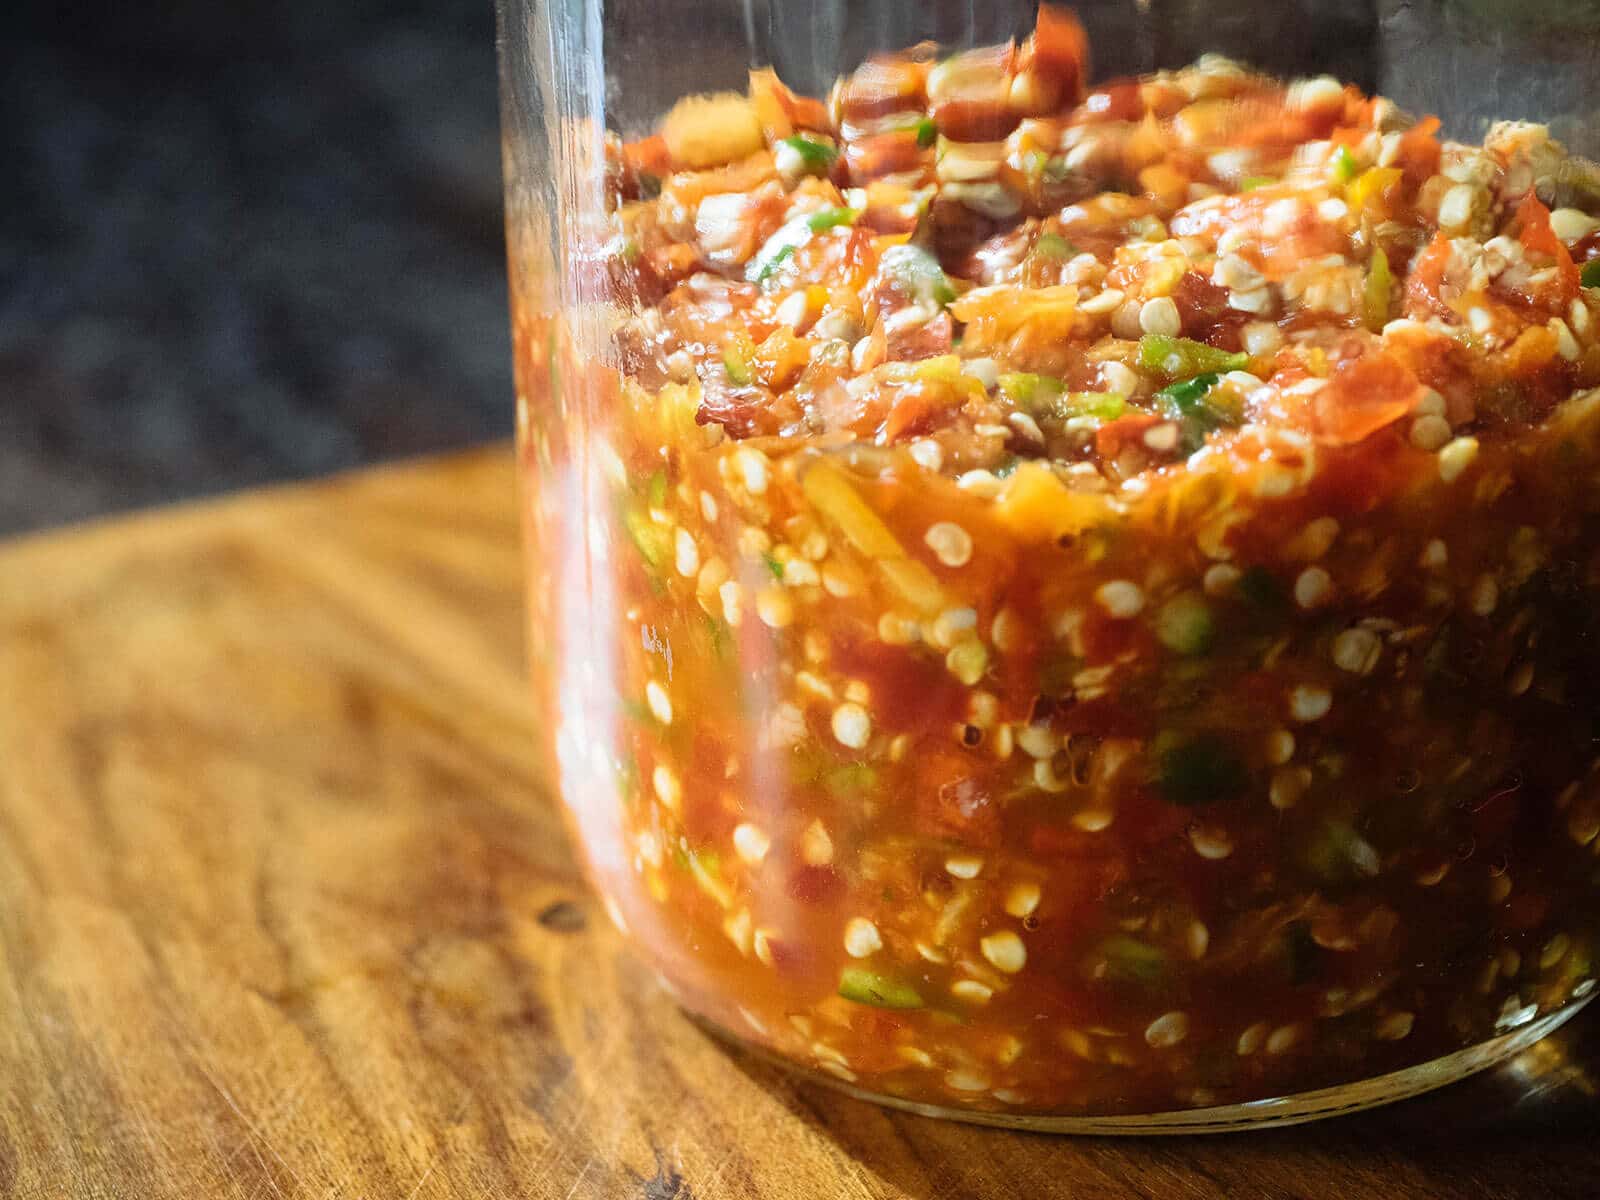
[(1275, 1112)]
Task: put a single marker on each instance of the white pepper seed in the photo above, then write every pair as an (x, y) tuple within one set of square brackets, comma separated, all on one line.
[(1484, 596), (1521, 679), (1038, 741), (1160, 316), (774, 607), (1395, 1026), (794, 307), (1313, 587), (1566, 345), (750, 843), (1309, 702), (1251, 1040), (816, 847), (732, 596), (1429, 433), (967, 1081), (1120, 598), (1167, 1030), (1282, 1039), (951, 544), (1262, 337), (1455, 210), (928, 453), (861, 938), (1210, 843), (1572, 224), (667, 788), (1022, 900), (753, 470), (1554, 951), (852, 726), (1102, 303), (1093, 820), (1005, 951), (963, 866), (1236, 273), (1287, 786), (659, 702), (1456, 457), (967, 661), (1220, 578), (1357, 651)]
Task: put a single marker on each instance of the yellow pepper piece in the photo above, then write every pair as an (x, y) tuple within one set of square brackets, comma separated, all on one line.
[(1375, 298), (1370, 185), (832, 495), (915, 583), (1039, 507)]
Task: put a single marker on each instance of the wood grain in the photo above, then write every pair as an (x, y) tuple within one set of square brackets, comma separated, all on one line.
[(285, 912)]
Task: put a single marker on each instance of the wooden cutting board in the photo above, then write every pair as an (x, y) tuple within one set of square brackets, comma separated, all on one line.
[(284, 912)]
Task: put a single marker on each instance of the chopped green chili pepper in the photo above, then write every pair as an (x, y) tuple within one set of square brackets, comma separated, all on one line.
[(850, 781), (706, 867), (733, 362), (1199, 769), (777, 249), (652, 541), (763, 264), (813, 153), (1107, 406), (1042, 395), (1132, 961), (774, 566), (720, 635), (1375, 300), (918, 273), (831, 218), (1199, 409), (1251, 182), (1185, 396), (1345, 167), (657, 491), (868, 987), (1184, 624), (1180, 358), (1056, 170), (926, 132), (1590, 275), (1336, 853), (1030, 392), (1053, 245)]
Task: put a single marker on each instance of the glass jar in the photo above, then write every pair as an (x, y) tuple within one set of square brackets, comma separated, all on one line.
[(1066, 596)]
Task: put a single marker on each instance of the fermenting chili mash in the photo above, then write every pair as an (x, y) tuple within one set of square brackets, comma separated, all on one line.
[(1096, 584)]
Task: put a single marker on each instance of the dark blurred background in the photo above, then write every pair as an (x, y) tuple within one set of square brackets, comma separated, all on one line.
[(243, 242), (261, 240)]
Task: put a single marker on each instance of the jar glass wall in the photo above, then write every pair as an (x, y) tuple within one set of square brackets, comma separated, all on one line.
[(1062, 566)]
